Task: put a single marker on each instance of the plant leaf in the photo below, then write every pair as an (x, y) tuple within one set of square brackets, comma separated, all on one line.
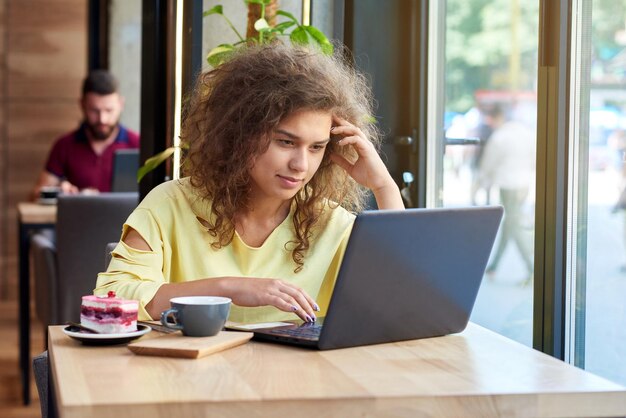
[(287, 15), (219, 54), (215, 10), (282, 26), (320, 39), (152, 162), (299, 36), (261, 24)]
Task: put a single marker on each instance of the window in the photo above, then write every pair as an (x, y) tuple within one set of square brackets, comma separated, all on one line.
[(483, 98), (598, 225)]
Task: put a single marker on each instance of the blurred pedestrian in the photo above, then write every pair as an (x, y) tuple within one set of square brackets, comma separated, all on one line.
[(508, 163)]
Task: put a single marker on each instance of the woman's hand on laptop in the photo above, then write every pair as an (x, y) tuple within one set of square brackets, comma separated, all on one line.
[(243, 291), (247, 291)]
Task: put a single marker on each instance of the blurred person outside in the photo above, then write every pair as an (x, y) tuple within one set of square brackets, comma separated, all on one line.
[(481, 129), (508, 163), (617, 143), (82, 160)]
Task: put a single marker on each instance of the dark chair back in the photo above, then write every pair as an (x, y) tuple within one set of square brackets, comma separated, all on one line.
[(85, 225), (44, 253), (41, 370)]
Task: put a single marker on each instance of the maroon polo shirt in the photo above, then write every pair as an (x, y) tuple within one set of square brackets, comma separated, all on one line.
[(72, 159)]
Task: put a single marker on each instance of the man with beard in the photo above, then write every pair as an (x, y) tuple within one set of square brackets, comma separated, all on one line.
[(82, 160)]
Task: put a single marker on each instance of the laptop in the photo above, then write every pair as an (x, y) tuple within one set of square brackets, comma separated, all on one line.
[(125, 166), (405, 275)]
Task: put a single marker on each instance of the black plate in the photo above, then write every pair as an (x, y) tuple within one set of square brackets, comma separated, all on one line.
[(105, 339)]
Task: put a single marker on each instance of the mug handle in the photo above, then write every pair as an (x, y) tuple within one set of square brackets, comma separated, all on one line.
[(165, 315)]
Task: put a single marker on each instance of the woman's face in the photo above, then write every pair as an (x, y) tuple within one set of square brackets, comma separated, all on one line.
[(295, 152)]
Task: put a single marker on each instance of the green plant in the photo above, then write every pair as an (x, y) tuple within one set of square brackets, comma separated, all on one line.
[(154, 161), (264, 32)]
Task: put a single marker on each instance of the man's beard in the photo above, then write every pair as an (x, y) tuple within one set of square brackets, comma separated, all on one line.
[(100, 132)]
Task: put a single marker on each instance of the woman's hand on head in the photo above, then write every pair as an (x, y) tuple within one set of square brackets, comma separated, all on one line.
[(368, 170), (246, 291)]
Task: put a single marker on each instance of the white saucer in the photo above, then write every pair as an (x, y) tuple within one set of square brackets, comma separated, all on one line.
[(105, 339)]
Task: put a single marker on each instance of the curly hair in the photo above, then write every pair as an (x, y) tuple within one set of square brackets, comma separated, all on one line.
[(237, 105)]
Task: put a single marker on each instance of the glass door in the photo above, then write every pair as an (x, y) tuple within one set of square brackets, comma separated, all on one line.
[(483, 102), (598, 132)]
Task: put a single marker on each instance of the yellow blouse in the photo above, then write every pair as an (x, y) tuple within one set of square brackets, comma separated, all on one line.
[(168, 219)]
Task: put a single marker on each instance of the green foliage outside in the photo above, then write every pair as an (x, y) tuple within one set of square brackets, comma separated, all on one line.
[(480, 39), (290, 29), (608, 23), (493, 45)]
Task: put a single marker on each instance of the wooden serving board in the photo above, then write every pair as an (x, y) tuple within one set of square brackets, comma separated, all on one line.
[(177, 345)]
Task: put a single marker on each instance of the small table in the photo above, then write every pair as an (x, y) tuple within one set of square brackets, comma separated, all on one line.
[(474, 373), (30, 217)]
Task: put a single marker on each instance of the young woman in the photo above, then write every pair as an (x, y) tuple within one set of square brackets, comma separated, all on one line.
[(282, 150)]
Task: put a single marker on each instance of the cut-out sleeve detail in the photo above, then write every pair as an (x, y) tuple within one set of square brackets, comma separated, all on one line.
[(132, 273)]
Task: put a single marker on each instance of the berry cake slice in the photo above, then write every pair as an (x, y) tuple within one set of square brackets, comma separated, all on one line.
[(109, 314)]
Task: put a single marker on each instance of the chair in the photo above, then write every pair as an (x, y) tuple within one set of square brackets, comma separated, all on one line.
[(66, 270), (41, 369), (43, 251), (85, 224)]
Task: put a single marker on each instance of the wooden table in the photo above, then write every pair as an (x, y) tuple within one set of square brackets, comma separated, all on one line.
[(30, 217), (475, 374)]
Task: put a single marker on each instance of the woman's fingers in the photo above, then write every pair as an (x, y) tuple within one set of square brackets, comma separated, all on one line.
[(341, 162), (339, 121), (285, 305), (306, 305), (282, 295), (345, 128), (352, 135)]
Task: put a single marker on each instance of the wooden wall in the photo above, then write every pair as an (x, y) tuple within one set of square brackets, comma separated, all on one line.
[(43, 58)]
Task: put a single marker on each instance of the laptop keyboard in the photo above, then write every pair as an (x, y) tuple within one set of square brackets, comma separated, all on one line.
[(308, 331)]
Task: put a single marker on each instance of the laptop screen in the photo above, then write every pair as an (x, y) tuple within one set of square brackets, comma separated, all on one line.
[(125, 166)]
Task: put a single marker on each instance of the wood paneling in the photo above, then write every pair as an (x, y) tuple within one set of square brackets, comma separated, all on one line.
[(38, 120), (45, 64), (4, 158), (30, 142), (46, 51), (2, 26), (43, 58), (45, 15)]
